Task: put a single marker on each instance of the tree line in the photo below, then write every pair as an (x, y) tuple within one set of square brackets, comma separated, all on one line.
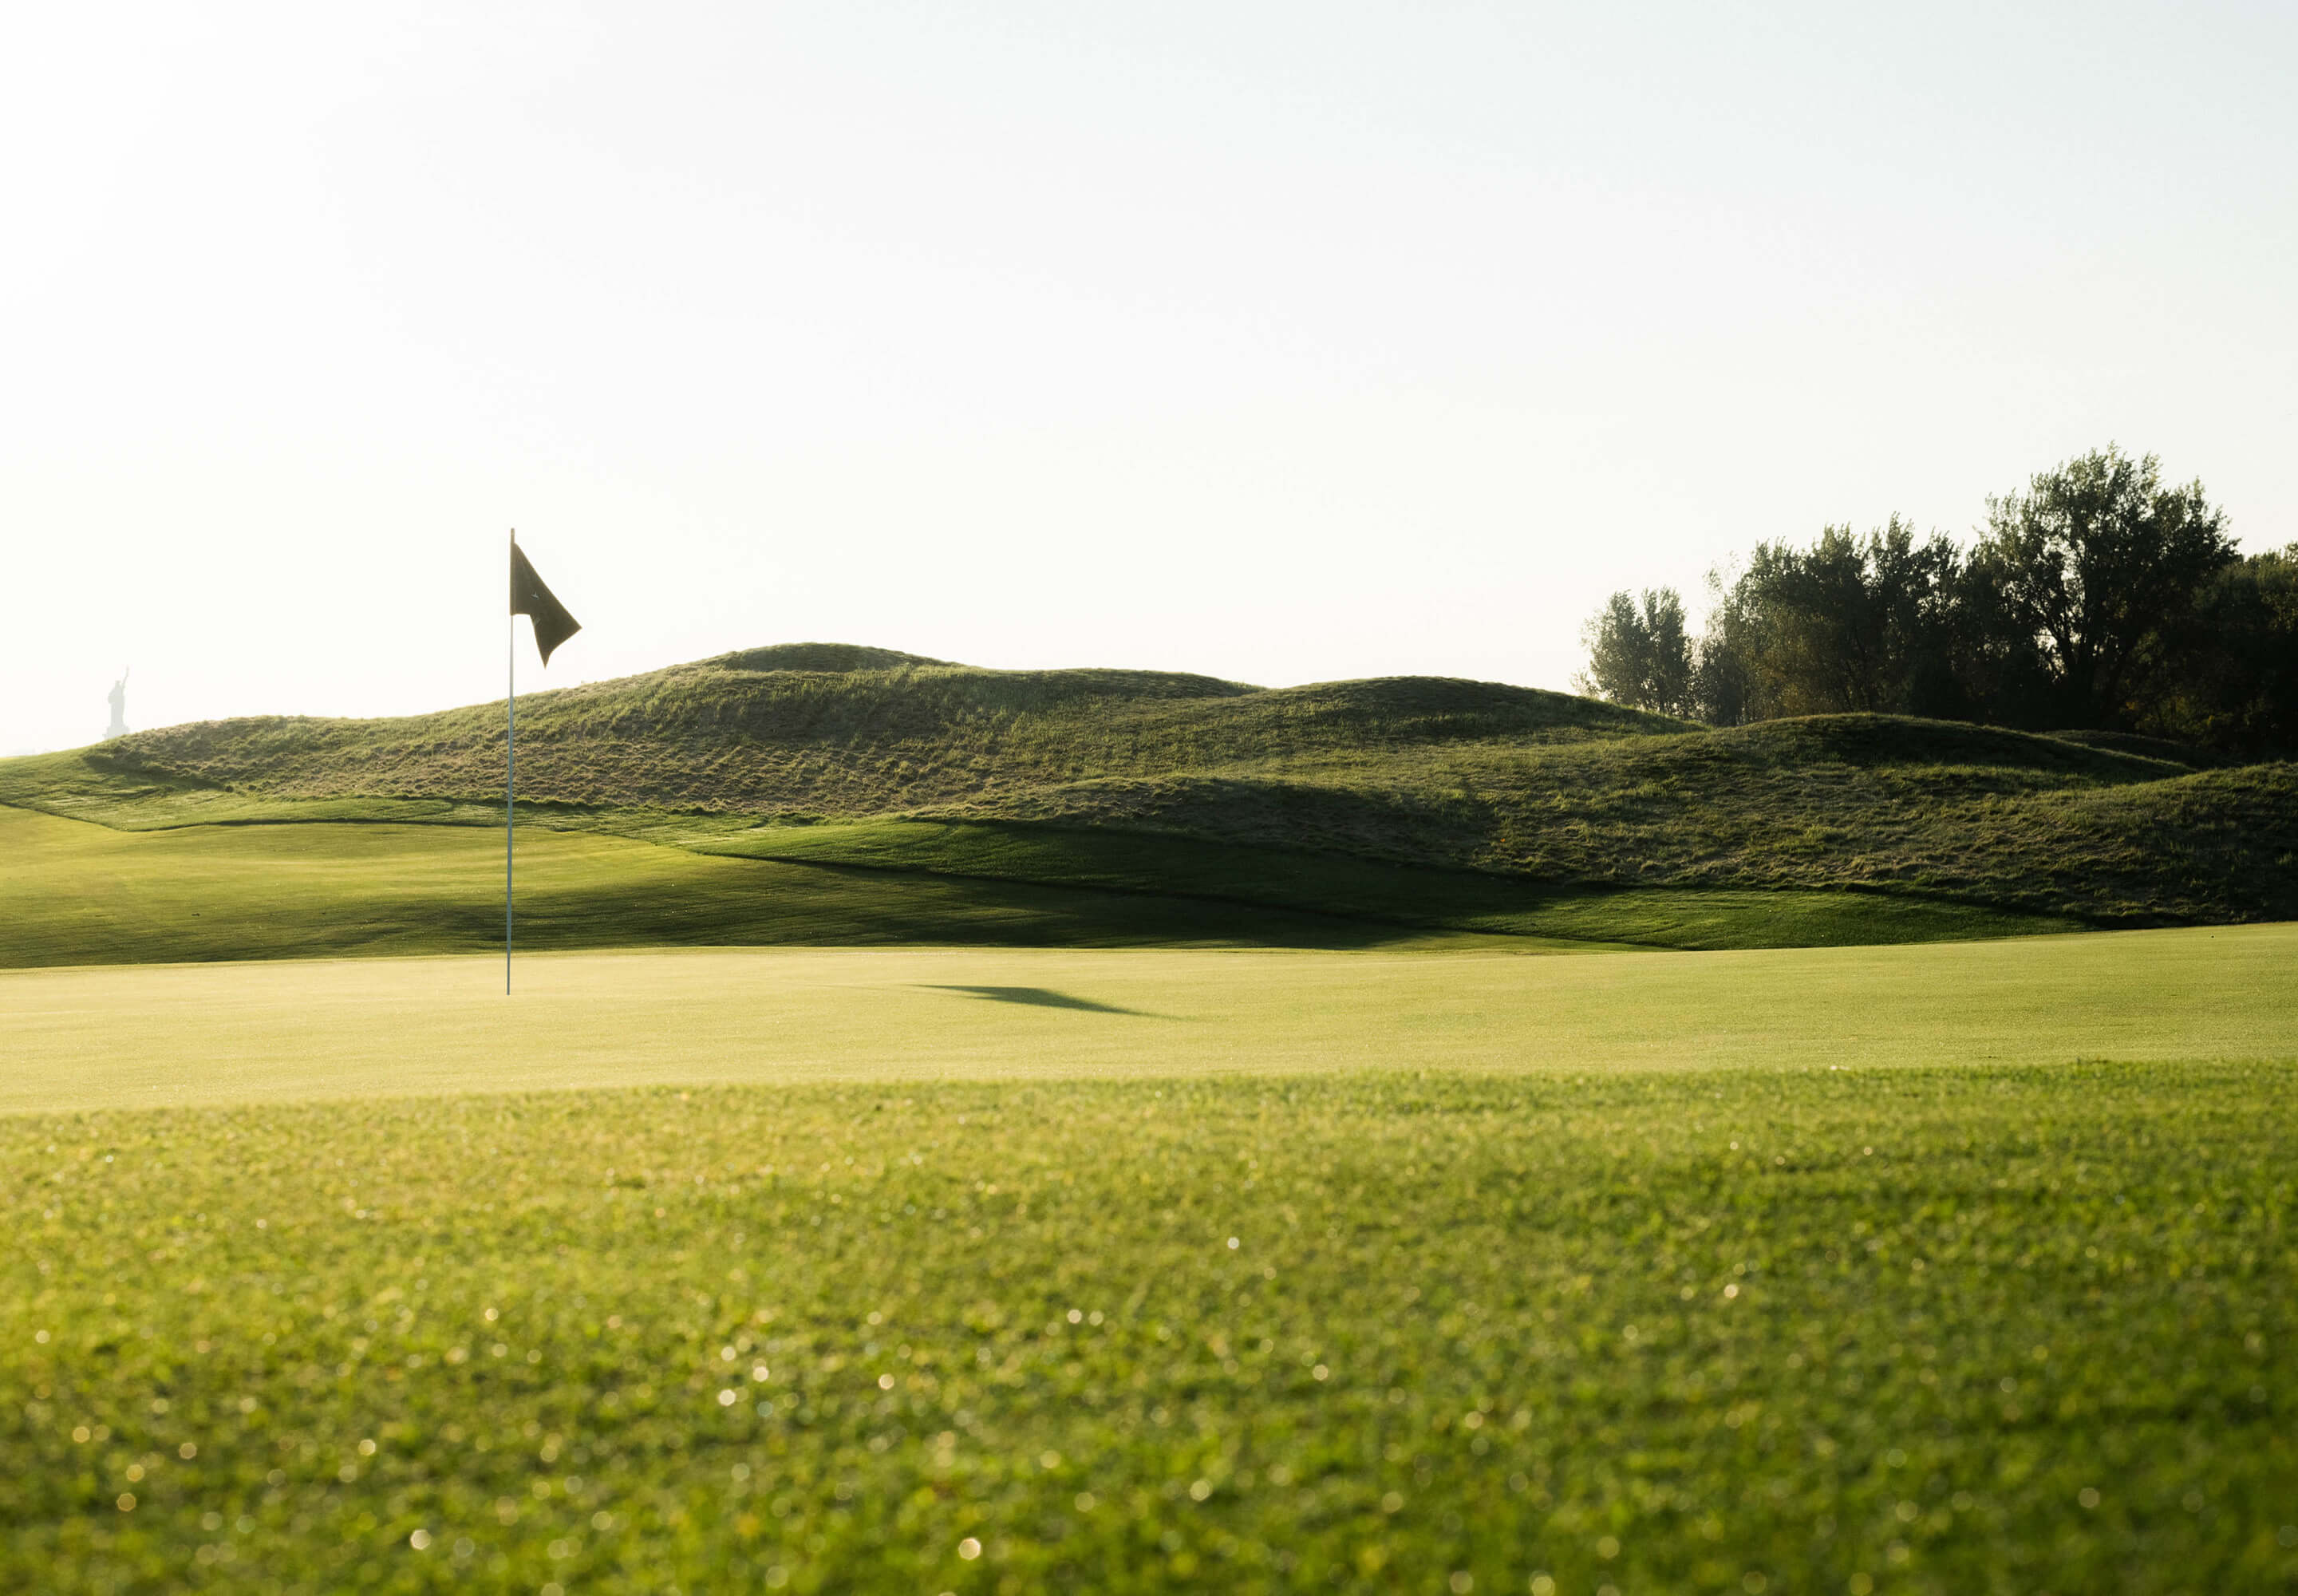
[(2100, 598)]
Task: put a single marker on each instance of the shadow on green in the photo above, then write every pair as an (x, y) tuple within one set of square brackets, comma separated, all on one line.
[(1044, 998)]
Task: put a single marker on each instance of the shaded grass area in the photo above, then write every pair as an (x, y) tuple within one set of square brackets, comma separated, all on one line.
[(1338, 884), (81, 894), (1754, 808), (1937, 1330), (85, 894), (90, 785)]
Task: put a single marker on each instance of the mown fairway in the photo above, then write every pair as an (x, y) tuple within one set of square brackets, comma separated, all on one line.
[(1830, 1270)]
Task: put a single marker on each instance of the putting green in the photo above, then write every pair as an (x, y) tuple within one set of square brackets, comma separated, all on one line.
[(153, 1035)]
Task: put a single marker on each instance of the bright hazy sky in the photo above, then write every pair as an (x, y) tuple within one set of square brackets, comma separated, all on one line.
[(1281, 342)]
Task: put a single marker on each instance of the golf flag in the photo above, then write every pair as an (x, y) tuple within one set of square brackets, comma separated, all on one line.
[(530, 597), (552, 626)]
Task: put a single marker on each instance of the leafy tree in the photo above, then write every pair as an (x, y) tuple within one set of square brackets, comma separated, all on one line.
[(2098, 599), (1641, 657), (1850, 624), (2238, 684), (1725, 690), (2098, 568)]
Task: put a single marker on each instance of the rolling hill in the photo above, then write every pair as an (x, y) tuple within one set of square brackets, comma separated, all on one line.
[(1414, 805)]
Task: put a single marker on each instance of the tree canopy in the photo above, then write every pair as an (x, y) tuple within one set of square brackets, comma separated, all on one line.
[(1640, 657), (2098, 564), (2099, 598)]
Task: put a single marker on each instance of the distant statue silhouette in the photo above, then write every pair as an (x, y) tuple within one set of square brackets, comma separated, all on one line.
[(118, 697)]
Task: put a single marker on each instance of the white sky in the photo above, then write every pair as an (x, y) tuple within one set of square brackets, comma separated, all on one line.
[(1280, 342)]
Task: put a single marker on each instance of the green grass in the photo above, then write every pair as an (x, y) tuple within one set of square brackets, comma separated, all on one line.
[(1992, 1330), (1865, 803), (80, 894), (1845, 1270), (1546, 794), (1404, 894), (333, 884), (1219, 1203), (124, 1036)]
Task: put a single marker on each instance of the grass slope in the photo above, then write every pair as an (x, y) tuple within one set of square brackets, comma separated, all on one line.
[(1869, 802), (748, 733), (1607, 1311), (80, 894), (1335, 882), (1521, 811)]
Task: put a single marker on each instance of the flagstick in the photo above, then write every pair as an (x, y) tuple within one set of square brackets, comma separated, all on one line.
[(510, 778)]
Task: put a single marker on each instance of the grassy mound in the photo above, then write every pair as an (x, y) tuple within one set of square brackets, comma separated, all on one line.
[(819, 657), (854, 739), (1419, 803), (1353, 884), (2037, 827)]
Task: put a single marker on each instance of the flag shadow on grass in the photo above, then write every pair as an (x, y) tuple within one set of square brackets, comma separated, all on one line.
[(1044, 998)]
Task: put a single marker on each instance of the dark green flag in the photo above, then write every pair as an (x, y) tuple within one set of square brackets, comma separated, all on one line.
[(530, 597)]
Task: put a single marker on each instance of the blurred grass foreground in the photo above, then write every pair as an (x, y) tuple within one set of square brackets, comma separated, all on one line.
[(1983, 1328)]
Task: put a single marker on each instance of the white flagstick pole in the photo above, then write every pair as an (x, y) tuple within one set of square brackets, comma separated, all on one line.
[(510, 777)]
